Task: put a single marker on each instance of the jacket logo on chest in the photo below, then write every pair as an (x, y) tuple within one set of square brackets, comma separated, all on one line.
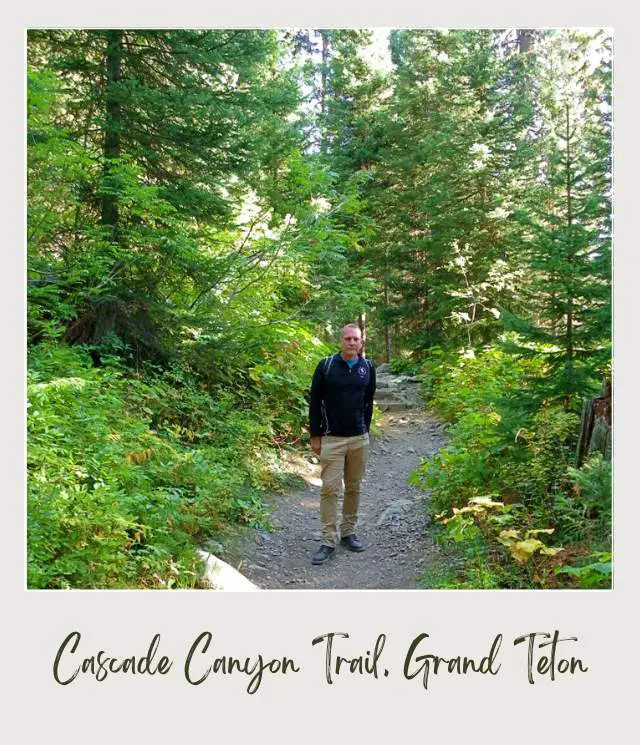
[(362, 371)]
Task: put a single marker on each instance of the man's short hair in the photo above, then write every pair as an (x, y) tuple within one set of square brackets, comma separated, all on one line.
[(350, 326)]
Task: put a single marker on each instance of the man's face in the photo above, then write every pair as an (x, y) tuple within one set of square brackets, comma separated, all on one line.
[(350, 342)]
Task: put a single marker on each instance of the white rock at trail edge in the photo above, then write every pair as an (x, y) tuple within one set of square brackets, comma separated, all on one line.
[(218, 575)]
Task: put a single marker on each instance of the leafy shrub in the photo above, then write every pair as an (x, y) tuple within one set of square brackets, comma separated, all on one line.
[(405, 365), (595, 574), (592, 487), (434, 369), (521, 456), (485, 446), (464, 468), (549, 443), (127, 474), (487, 381), (503, 547)]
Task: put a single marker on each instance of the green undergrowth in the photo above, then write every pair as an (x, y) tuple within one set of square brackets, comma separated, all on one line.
[(128, 473), (506, 496)]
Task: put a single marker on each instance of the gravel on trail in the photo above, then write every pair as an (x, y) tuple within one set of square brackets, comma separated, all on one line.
[(393, 523)]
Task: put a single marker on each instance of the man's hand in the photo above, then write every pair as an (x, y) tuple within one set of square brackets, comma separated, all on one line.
[(316, 444)]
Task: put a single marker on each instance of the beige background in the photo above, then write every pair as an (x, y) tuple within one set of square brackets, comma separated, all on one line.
[(595, 707)]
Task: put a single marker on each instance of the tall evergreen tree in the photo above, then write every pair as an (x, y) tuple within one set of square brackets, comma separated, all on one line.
[(177, 126), (566, 233), (343, 103), (456, 139)]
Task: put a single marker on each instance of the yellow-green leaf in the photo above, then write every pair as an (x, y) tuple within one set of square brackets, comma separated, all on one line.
[(485, 502), (508, 536), (540, 530), (549, 551), (522, 551)]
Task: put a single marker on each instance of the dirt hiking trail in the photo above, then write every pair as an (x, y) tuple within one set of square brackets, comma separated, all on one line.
[(392, 521)]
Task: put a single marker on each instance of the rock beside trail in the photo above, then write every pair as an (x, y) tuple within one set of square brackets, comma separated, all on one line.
[(396, 510), (396, 392), (218, 575)]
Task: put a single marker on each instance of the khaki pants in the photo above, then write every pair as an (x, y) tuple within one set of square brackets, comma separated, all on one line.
[(341, 457)]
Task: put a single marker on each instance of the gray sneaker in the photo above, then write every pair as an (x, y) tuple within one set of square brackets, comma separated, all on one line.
[(322, 554)]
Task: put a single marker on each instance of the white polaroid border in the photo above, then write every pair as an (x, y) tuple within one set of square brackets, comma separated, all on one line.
[(592, 707)]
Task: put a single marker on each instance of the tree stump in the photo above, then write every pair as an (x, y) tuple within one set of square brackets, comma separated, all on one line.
[(595, 426)]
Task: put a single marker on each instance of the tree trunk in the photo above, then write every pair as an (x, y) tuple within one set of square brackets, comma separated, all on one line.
[(387, 329), (112, 128), (323, 72), (324, 135), (569, 327), (525, 40), (105, 311), (362, 323)]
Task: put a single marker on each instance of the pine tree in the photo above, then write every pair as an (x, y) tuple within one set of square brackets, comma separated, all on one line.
[(455, 130), (177, 127), (566, 231), (342, 103)]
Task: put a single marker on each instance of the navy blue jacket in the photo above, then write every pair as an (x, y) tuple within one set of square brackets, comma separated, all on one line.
[(341, 400)]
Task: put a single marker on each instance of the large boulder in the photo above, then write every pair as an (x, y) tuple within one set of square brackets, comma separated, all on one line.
[(395, 392)]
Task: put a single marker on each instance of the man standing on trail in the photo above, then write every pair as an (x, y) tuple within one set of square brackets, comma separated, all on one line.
[(340, 412)]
